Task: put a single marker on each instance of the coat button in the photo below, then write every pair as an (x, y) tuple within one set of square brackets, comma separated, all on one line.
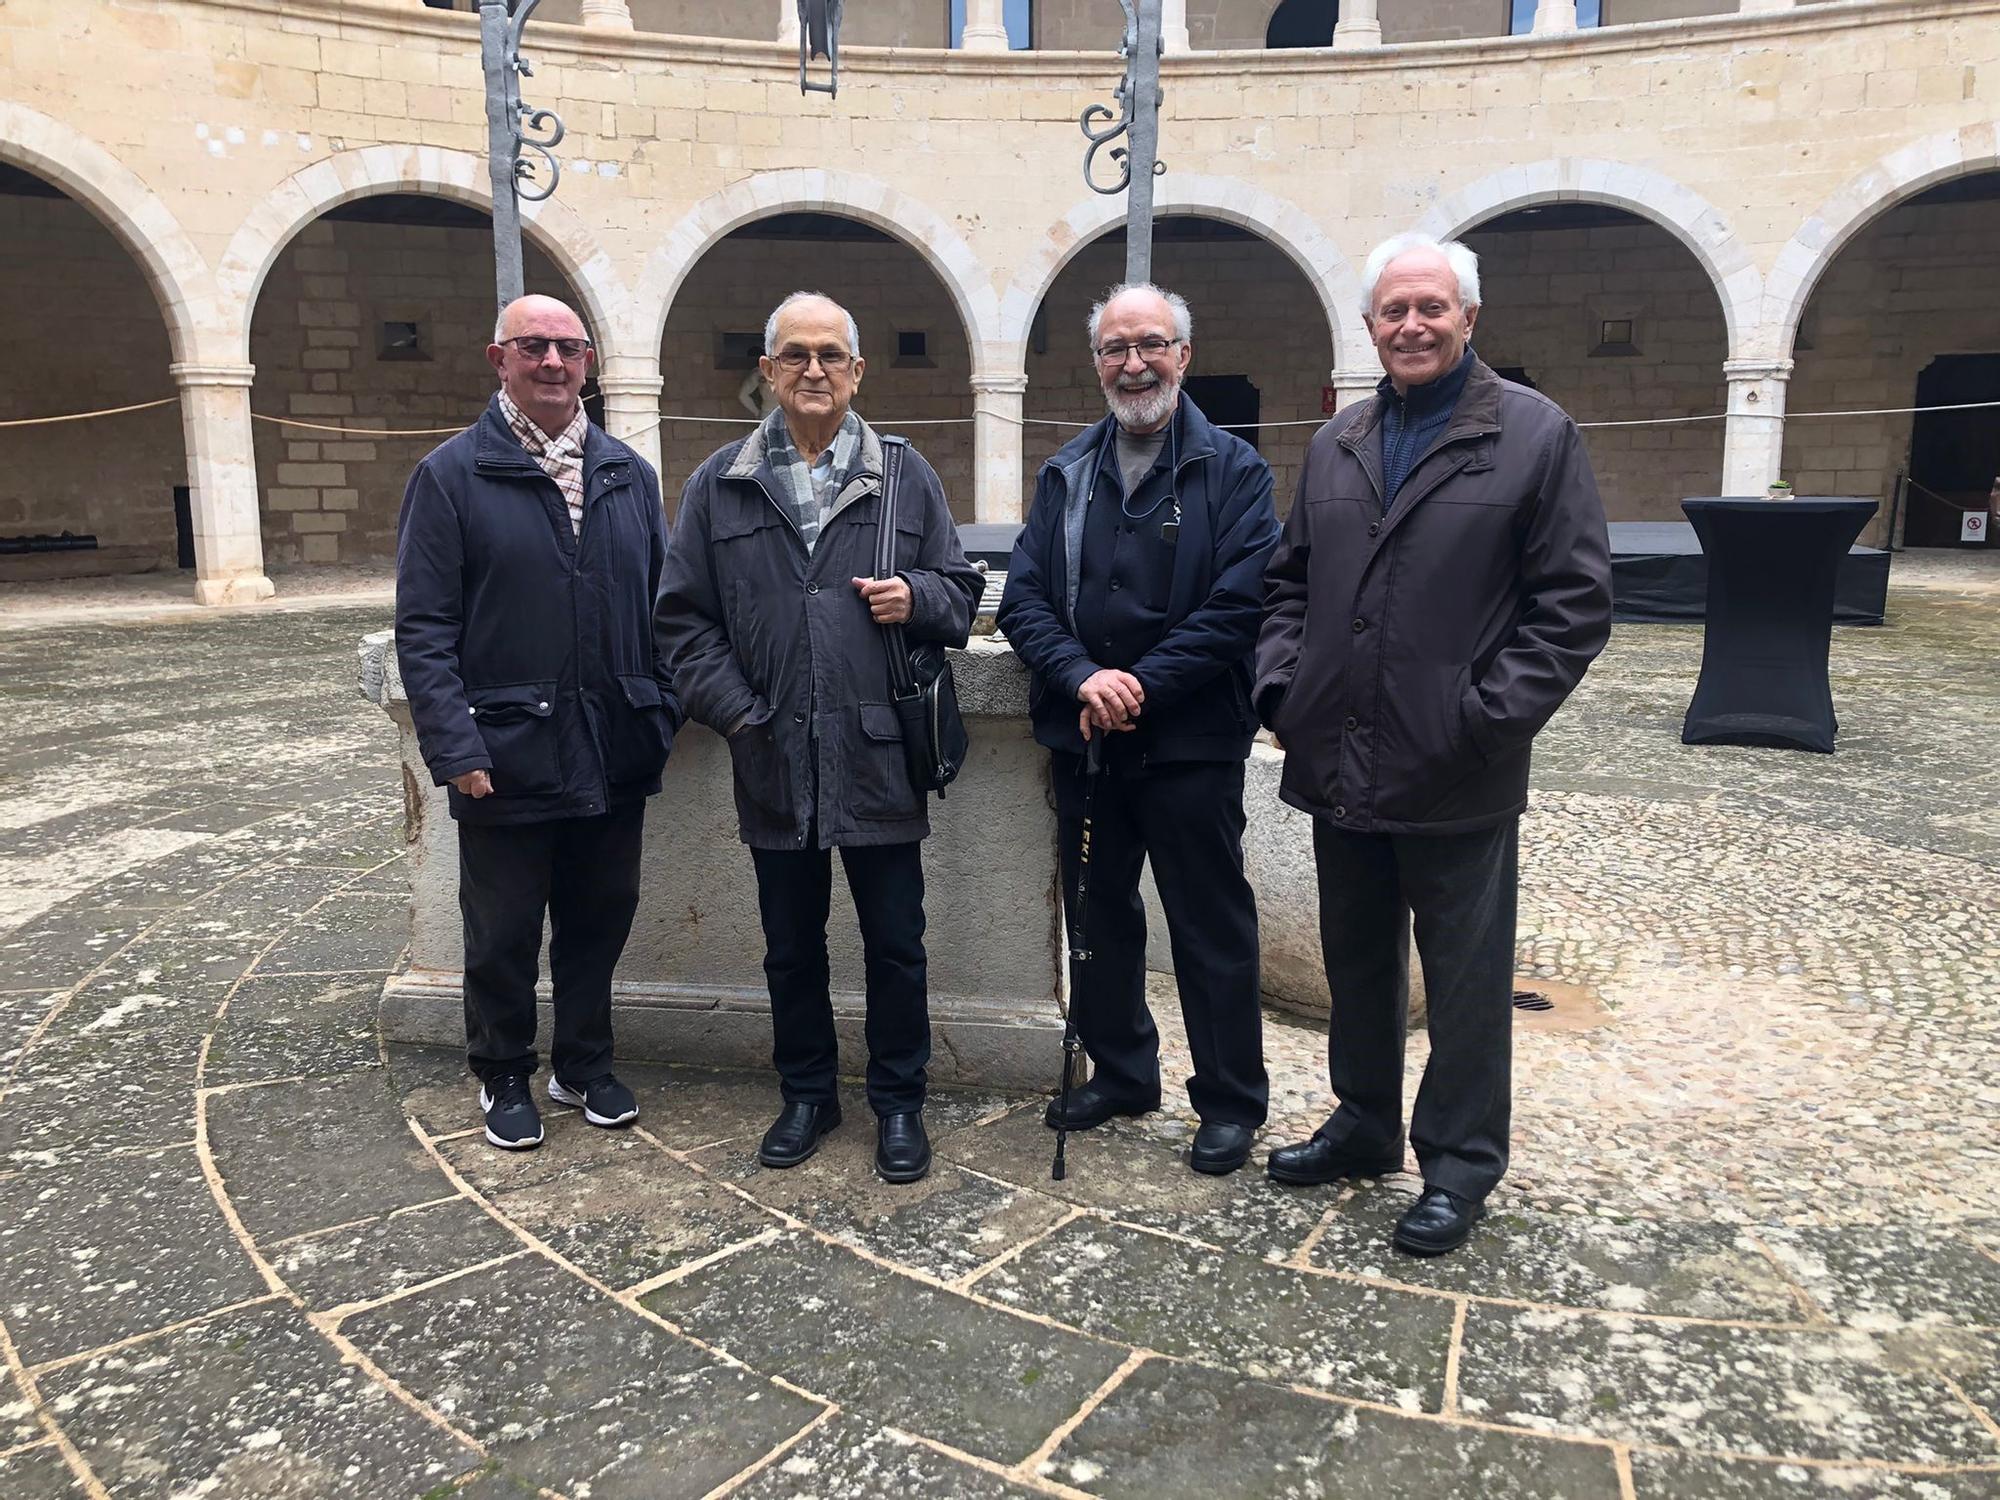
[(1359, 626), (1374, 527), (543, 705), (798, 718), (1352, 722), (812, 588), (1339, 810), (1116, 585)]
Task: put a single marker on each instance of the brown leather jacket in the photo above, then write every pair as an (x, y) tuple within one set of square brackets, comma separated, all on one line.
[(1407, 660)]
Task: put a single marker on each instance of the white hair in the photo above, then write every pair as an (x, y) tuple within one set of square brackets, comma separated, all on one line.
[(1464, 265), (1176, 303), (771, 323)]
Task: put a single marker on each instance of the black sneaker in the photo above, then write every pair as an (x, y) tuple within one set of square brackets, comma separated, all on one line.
[(511, 1121), (604, 1101)]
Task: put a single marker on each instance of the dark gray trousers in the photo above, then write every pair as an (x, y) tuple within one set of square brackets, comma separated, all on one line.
[(1460, 887)]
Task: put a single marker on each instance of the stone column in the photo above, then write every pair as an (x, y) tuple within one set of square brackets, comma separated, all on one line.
[(1554, 16), (605, 15), (1350, 386), (985, 26), (1753, 439), (788, 21), (1758, 7), (1174, 28), (222, 476), (1358, 26), (631, 390), (996, 446)]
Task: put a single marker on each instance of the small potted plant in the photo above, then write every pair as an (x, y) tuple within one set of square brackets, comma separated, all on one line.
[(1779, 490)]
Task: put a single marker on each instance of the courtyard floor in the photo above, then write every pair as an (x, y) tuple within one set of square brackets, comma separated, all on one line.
[(1750, 1247)]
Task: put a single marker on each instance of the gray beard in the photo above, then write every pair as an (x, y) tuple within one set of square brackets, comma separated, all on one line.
[(1142, 411)]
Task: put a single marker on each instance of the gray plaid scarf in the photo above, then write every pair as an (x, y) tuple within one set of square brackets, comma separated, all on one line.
[(810, 505)]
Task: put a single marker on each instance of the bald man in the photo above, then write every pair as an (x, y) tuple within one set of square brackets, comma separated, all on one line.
[(528, 553)]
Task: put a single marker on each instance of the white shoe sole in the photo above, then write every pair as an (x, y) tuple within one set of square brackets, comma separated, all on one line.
[(486, 1103), (577, 1101)]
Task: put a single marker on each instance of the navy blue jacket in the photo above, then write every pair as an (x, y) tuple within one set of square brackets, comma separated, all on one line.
[(1197, 674), (526, 649)]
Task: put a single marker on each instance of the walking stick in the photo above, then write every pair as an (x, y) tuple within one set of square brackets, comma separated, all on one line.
[(1079, 950)]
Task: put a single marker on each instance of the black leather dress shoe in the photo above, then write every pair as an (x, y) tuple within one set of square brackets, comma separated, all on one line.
[(1320, 1160), (795, 1134), (902, 1150), (1220, 1148), (1437, 1222), (1090, 1106)]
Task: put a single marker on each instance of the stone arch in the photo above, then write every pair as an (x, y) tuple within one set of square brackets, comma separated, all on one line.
[(143, 224), (370, 170), (1899, 176), (816, 190), (1679, 210), (1284, 225)]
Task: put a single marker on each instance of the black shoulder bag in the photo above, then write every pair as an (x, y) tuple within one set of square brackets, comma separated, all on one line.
[(934, 738)]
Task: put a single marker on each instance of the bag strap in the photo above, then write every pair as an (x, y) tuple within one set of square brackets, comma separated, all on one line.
[(901, 681)]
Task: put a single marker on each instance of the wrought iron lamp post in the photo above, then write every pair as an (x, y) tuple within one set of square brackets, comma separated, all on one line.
[(1138, 121), (513, 132)]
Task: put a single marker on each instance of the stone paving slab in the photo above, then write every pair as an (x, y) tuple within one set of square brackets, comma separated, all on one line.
[(1131, 1168), (1622, 1265), (390, 1254), (21, 1011), (1173, 1429), (1892, 1274), (571, 1390), (351, 932), (849, 1458), (96, 1251), (1675, 1476), (298, 1157), (1142, 1289), (252, 1403), (58, 950), (1807, 1395), (895, 1349), (292, 1025), (39, 1474), (17, 1416)]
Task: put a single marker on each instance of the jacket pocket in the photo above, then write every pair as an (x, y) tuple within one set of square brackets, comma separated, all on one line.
[(878, 776), (758, 760), (1429, 752), (515, 720), (637, 732)]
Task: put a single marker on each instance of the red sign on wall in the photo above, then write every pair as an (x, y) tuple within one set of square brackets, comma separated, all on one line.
[(1328, 399)]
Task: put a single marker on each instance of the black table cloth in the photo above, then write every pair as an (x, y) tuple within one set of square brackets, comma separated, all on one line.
[(1659, 577), (1772, 567)]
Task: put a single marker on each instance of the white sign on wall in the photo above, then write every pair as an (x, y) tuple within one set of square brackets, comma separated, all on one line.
[(1972, 526)]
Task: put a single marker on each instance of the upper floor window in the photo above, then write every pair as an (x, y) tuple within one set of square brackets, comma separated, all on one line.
[(1019, 19), (1302, 23), (1521, 19)]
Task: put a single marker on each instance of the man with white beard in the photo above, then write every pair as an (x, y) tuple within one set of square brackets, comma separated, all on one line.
[(1134, 596)]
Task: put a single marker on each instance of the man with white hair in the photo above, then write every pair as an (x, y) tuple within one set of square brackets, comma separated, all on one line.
[(527, 555), (1133, 596), (1442, 584)]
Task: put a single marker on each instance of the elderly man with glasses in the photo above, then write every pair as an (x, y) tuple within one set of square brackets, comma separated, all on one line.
[(1133, 595), (528, 554), (770, 613)]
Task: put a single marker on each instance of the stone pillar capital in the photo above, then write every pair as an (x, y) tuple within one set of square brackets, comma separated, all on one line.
[(188, 374), (630, 384), (1000, 385), (1736, 370)]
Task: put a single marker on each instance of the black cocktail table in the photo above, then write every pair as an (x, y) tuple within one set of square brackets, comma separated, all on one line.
[(1772, 566)]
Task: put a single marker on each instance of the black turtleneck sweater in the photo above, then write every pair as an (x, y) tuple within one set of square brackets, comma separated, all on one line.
[(1410, 424)]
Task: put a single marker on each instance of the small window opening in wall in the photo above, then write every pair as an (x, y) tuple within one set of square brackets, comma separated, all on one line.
[(403, 341), (1614, 339), (913, 351), (738, 351)]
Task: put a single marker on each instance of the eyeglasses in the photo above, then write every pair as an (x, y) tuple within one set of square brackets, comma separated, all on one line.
[(1149, 350), (534, 346), (833, 361)]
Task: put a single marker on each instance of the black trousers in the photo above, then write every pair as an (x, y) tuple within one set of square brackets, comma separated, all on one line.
[(584, 873), (1189, 818), (794, 894), (1461, 889)]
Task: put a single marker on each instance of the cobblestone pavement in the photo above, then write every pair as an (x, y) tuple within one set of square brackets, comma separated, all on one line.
[(1750, 1248)]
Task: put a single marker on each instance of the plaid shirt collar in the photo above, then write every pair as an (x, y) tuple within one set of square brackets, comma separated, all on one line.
[(564, 444)]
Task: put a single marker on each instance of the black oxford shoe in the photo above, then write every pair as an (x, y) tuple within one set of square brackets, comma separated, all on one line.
[(1220, 1148), (795, 1134), (1320, 1160), (1436, 1223), (1090, 1106), (902, 1150)]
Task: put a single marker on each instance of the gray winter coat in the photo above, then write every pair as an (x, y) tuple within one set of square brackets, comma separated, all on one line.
[(756, 630), (1408, 659)]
